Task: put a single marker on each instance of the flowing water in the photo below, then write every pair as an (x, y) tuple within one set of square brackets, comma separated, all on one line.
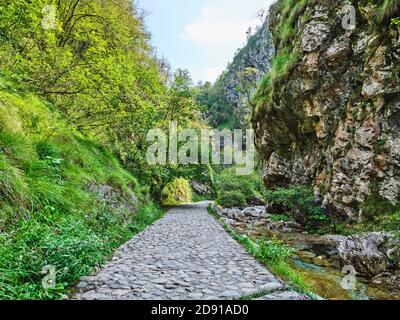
[(318, 261)]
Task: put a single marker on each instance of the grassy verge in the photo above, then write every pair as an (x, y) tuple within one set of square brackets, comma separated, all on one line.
[(49, 218), (274, 255), (73, 244)]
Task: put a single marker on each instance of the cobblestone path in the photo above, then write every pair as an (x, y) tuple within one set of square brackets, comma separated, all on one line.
[(187, 255)]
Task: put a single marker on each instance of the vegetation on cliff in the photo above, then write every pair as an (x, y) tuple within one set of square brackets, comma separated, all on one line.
[(227, 102), (325, 114)]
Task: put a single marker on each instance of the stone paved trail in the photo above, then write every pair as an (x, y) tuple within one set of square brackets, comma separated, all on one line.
[(186, 255)]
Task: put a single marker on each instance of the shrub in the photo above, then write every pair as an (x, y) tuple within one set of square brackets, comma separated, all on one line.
[(177, 192), (375, 206), (244, 187), (299, 203), (231, 199)]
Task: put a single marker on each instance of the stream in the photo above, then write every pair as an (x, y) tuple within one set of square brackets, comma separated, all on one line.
[(319, 263)]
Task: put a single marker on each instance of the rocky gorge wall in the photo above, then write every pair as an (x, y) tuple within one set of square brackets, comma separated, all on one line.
[(228, 101), (328, 114)]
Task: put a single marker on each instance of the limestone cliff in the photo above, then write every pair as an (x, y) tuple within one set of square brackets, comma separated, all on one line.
[(328, 113), (228, 98)]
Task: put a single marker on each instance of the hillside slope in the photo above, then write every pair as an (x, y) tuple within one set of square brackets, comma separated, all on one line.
[(328, 113), (65, 201)]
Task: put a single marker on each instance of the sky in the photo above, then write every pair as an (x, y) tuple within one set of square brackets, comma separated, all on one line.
[(200, 35)]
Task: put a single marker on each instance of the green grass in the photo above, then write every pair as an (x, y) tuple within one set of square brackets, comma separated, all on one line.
[(200, 198), (73, 243), (43, 161), (281, 66), (274, 255), (48, 216)]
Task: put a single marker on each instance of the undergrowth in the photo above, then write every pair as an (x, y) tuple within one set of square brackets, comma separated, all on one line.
[(73, 243), (49, 218), (237, 191)]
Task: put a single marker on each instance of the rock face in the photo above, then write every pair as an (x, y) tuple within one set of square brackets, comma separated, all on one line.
[(116, 199), (331, 118), (255, 56), (371, 254)]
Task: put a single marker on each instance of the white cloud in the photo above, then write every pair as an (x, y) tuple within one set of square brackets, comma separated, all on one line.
[(217, 27), (218, 31), (209, 74)]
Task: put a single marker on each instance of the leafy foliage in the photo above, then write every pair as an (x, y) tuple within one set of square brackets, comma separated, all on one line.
[(231, 199), (48, 216), (299, 203), (237, 191), (98, 69)]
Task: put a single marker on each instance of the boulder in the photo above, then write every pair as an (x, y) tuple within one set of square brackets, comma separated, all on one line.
[(254, 212), (261, 223), (201, 188), (370, 254), (218, 209), (235, 214), (388, 279), (241, 225), (115, 198), (229, 222)]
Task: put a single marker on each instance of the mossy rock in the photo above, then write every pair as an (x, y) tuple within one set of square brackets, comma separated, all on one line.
[(177, 192)]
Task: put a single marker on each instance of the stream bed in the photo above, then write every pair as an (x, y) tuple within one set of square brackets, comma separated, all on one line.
[(319, 263)]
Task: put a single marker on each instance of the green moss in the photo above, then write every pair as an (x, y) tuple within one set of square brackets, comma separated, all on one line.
[(281, 66), (177, 192)]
